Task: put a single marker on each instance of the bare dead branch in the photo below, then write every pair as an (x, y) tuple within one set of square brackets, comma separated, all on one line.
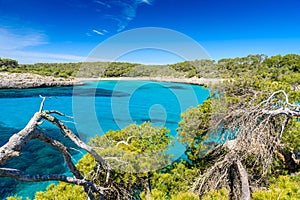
[(19, 175), (63, 149), (31, 131), (58, 113), (69, 133), (17, 141), (253, 135), (116, 159), (297, 161), (42, 103), (244, 179), (285, 111), (127, 141)]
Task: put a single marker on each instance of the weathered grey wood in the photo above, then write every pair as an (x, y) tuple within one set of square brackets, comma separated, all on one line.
[(259, 136), (17, 141), (31, 131), (246, 195), (69, 133)]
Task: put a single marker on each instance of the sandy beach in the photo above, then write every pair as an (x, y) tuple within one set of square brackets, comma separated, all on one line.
[(195, 81)]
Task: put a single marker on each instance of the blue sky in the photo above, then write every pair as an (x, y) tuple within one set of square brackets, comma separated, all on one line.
[(62, 31)]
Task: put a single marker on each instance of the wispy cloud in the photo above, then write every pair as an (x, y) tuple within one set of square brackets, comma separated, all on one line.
[(14, 43), (19, 38), (98, 32), (29, 57), (103, 4), (120, 12)]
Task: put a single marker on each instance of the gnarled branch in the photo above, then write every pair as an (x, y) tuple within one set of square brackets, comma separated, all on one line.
[(69, 133), (31, 131), (252, 136), (17, 141)]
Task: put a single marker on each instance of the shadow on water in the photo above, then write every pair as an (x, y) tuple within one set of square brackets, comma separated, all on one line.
[(60, 91), (36, 158), (176, 87)]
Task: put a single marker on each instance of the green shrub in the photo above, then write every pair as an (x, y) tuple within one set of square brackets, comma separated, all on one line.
[(284, 188)]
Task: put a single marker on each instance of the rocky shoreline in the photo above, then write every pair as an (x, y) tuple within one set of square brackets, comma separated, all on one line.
[(27, 80)]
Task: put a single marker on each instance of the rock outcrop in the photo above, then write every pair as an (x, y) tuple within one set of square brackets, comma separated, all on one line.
[(27, 80)]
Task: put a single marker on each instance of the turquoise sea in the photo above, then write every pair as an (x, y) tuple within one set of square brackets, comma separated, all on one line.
[(97, 107)]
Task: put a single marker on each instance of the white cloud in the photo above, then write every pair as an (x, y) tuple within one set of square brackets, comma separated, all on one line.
[(19, 38), (121, 12), (98, 32)]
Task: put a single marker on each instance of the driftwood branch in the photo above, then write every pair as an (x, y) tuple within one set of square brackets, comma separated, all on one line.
[(19, 175), (69, 133), (88, 186), (31, 131), (63, 149), (17, 141), (42, 103)]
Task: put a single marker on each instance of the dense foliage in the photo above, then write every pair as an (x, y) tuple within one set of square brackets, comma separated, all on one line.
[(278, 68), (284, 187), (67, 70), (134, 152), (249, 81), (8, 63)]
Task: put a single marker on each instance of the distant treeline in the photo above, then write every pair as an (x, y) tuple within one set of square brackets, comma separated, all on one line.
[(276, 67)]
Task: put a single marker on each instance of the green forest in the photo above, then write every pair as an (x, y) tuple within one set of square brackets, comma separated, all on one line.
[(277, 68), (254, 114)]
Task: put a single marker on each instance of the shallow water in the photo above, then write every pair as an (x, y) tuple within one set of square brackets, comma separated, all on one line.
[(97, 107)]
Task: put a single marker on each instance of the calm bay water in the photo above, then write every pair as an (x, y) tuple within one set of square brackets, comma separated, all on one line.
[(97, 107)]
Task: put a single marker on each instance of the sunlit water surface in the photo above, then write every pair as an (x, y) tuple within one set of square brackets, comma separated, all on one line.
[(97, 107)]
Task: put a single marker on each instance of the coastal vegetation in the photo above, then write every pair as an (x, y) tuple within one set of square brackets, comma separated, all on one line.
[(277, 68), (241, 143)]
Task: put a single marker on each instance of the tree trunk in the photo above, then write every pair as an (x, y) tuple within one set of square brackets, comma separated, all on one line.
[(244, 180)]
